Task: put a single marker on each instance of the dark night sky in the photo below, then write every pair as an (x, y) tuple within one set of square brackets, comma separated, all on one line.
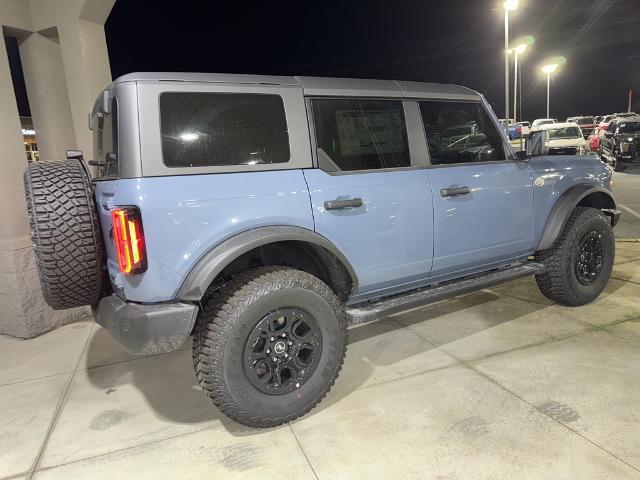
[(452, 41)]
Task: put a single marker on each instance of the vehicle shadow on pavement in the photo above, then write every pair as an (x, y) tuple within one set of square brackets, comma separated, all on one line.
[(389, 349)]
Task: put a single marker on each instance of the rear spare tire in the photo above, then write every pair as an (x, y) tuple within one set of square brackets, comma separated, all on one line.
[(65, 232)]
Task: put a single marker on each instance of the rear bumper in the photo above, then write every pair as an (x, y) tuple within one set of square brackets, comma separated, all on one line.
[(146, 329)]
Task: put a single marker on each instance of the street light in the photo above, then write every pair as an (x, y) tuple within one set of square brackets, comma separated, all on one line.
[(517, 50), (509, 6), (549, 69)]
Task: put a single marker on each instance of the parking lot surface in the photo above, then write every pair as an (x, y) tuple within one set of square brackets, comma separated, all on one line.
[(496, 384)]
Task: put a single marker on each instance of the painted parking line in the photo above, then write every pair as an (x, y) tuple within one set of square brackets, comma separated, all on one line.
[(631, 211)]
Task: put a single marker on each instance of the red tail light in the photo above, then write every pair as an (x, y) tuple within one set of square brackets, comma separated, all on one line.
[(519, 129), (128, 237)]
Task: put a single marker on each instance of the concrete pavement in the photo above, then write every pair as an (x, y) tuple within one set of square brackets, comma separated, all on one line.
[(498, 384)]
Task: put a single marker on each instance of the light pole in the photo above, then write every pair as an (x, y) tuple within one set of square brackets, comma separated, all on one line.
[(549, 69), (517, 50), (509, 6)]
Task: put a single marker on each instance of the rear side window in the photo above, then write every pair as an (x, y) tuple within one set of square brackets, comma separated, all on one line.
[(357, 134), (216, 129), (460, 132)]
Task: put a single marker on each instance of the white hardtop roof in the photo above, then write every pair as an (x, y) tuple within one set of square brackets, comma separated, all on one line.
[(323, 86)]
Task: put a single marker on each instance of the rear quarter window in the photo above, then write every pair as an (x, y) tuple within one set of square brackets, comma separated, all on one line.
[(217, 129)]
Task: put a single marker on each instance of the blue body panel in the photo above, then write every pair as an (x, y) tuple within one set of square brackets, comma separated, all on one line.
[(492, 223), (404, 236), (185, 216), (389, 240), (559, 173)]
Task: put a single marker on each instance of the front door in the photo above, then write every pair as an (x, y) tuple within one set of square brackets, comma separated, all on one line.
[(482, 200), (367, 197)]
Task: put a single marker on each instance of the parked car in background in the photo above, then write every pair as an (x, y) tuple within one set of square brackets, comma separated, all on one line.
[(594, 139), (565, 138), (625, 115), (586, 123), (519, 130), (538, 122), (620, 143)]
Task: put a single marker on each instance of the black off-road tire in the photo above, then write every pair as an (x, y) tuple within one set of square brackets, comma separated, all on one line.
[(65, 232), (224, 325), (560, 282)]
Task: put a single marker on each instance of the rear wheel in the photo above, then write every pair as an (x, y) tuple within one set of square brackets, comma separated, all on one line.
[(65, 232), (579, 263), (270, 345)]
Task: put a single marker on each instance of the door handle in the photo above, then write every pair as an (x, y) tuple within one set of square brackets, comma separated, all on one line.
[(340, 204), (454, 191)]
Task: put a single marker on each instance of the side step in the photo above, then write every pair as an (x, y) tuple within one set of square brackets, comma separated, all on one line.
[(368, 312)]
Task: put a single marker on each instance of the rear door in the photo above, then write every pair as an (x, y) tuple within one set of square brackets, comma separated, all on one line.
[(482, 197), (367, 195)]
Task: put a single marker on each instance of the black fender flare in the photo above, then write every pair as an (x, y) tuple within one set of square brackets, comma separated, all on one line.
[(213, 262), (567, 202)]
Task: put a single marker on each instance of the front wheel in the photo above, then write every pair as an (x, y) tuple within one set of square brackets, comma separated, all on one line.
[(578, 265), (270, 345), (615, 164)]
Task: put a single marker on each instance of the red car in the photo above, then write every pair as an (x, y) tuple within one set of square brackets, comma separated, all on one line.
[(587, 124), (594, 139)]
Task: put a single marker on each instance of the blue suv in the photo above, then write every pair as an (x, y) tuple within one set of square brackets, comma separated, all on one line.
[(262, 215)]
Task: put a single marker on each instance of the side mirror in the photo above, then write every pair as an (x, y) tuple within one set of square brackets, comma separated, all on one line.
[(522, 155), (75, 155), (536, 144)]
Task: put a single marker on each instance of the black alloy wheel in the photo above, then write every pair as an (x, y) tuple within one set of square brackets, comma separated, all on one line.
[(282, 351), (589, 258)]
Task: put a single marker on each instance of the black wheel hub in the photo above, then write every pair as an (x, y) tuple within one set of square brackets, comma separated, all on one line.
[(589, 258), (282, 351)]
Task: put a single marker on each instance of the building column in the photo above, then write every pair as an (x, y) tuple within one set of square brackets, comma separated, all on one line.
[(46, 83)]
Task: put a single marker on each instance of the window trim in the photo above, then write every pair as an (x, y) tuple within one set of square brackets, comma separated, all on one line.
[(313, 136), (151, 134), (113, 111)]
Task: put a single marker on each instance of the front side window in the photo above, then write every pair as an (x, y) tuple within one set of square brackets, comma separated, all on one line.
[(359, 134), (459, 132), (105, 142), (217, 129)]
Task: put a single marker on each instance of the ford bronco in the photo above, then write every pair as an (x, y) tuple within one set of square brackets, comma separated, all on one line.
[(262, 215)]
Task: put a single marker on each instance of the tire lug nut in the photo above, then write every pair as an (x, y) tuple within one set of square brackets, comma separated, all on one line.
[(290, 343), (268, 350), (275, 359), (272, 339), (286, 355)]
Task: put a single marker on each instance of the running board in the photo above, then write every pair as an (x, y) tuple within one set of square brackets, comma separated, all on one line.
[(368, 311)]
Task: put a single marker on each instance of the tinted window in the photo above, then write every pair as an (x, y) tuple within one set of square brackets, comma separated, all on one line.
[(585, 121), (564, 132), (215, 129), (459, 132), (354, 134), (105, 142), (629, 127)]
